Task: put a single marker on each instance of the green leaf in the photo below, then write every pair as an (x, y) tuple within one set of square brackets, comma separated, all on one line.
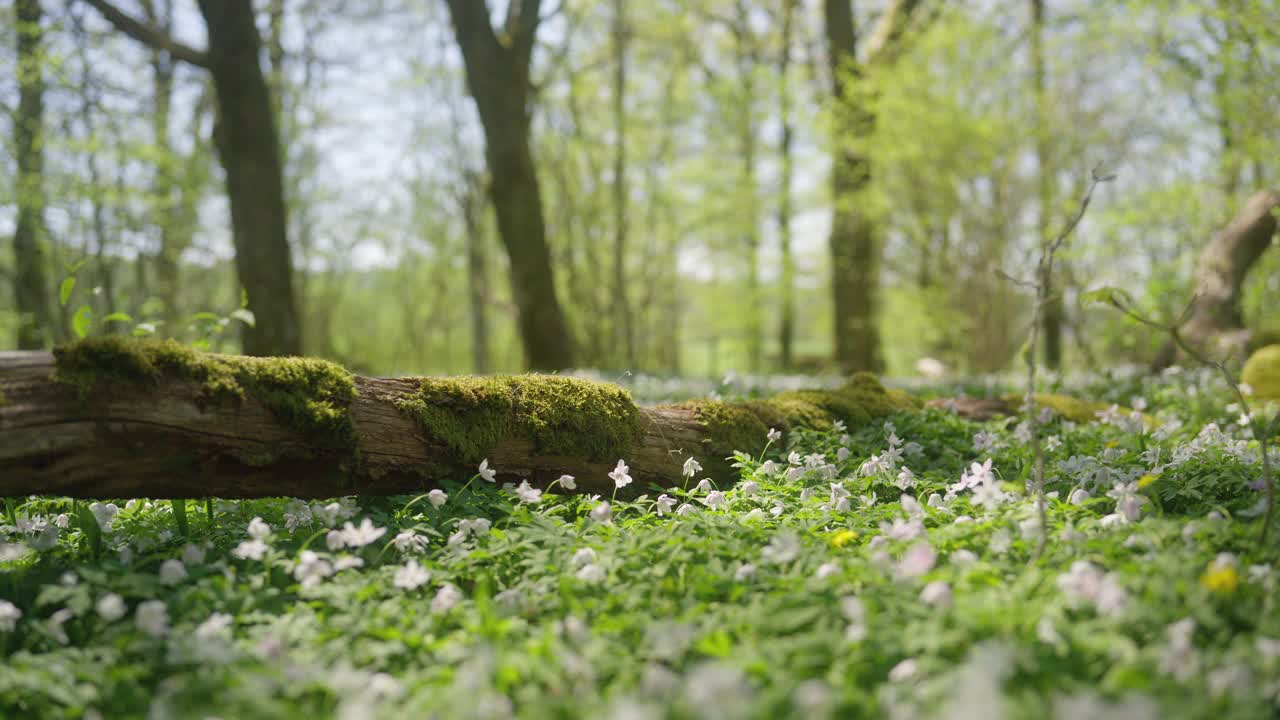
[(145, 328), (118, 317), (206, 316), (244, 315), (82, 321), (64, 290), (73, 268), (1107, 296)]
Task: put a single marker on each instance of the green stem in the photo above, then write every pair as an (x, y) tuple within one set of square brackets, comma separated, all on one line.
[(180, 517)]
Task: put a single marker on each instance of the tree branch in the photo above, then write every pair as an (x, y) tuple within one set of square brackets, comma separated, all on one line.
[(149, 35)]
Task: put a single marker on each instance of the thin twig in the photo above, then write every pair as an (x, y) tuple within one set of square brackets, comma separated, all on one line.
[(1044, 274)]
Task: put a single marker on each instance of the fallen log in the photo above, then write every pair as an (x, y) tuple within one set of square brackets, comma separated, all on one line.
[(119, 418)]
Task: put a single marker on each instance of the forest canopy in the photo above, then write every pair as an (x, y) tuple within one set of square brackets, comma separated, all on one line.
[(689, 187)]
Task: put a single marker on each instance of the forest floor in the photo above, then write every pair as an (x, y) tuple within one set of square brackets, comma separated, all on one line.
[(878, 571)]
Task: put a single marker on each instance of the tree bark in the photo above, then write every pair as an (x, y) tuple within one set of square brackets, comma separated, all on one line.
[(249, 147), (855, 239), (498, 77), (31, 284), (248, 144), (624, 322), (1214, 317), (164, 436), (472, 204), (787, 273), (1054, 307)]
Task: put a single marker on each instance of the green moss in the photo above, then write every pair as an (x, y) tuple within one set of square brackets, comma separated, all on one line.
[(562, 416), (1074, 409), (733, 426), (1262, 373), (743, 425), (311, 396)]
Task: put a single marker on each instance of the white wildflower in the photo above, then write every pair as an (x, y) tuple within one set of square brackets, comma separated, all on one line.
[(487, 473), (591, 573), (918, 560), (446, 598), (311, 569), (172, 572), (691, 467), (152, 618), (411, 576), (251, 550), (527, 493), (216, 625), (9, 616), (408, 541), (903, 671), (936, 594), (258, 529), (365, 534), (621, 475), (110, 607)]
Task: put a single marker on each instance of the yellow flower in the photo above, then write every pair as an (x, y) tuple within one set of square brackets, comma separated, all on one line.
[(1113, 443), (1221, 578), (1146, 480), (844, 537)]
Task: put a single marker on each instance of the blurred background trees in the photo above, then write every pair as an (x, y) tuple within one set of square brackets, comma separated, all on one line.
[(675, 186)]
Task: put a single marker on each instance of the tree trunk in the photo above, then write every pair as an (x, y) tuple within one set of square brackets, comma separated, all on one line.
[(498, 78), (31, 284), (1214, 316), (249, 148), (164, 184), (855, 253), (787, 274), (748, 195), (624, 326), (1054, 307), (473, 208), (111, 417)]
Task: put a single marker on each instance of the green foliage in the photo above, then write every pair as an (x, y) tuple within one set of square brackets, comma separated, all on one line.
[(311, 396), (561, 415)]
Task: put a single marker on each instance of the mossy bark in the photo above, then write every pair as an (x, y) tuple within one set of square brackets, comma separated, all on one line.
[(112, 417)]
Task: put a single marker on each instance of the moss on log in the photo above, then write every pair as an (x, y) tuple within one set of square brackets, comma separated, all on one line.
[(115, 417), (1262, 373)]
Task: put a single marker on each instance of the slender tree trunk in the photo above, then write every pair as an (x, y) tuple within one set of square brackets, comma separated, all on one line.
[(1054, 306), (786, 322), (855, 248), (248, 144), (164, 183), (498, 77), (473, 210), (36, 327), (622, 318), (749, 193)]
